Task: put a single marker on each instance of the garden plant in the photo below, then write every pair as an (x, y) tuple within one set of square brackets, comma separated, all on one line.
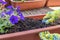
[(8, 17), (49, 36)]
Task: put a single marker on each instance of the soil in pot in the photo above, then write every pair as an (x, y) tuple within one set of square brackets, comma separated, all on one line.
[(27, 24)]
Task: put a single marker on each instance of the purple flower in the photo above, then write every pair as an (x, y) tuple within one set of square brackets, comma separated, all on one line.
[(18, 9), (10, 7), (21, 16), (9, 12), (19, 13), (1, 1), (13, 19), (4, 3), (2, 14)]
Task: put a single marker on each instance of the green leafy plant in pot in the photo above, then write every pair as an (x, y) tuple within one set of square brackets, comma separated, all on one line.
[(9, 17)]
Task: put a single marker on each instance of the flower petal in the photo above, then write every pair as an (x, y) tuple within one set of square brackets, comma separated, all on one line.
[(3, 14), (9, 12), (21, 16), (13, 19), (9, 7), (18, 9), (1, 1)]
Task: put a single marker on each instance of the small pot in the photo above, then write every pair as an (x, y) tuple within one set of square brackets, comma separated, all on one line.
[(53, 3), (30, 34), (29, 4)]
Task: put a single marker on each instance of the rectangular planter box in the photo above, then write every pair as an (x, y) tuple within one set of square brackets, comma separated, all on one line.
[(29, 4), (53, 3), (30, 34)]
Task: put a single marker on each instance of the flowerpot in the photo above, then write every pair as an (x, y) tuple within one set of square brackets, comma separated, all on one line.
[(29, 4), (30, 34), (53, 3)]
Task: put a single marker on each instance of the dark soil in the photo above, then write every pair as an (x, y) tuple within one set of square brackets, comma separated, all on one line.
[(27, 24)]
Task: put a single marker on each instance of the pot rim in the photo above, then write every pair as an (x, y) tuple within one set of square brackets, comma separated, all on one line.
[(28, 32), (27, 1)]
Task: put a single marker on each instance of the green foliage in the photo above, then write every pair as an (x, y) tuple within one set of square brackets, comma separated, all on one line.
[(48, 36), (4, 23), (1, 11), (52, 16)]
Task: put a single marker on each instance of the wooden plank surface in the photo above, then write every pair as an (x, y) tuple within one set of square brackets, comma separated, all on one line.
[(36, 12)]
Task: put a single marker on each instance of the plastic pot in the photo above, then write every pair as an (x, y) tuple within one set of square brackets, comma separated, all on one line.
[(53, 3), (29, 4), (30, 34)]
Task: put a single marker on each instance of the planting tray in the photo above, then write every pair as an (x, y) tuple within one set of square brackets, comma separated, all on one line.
[(29, 4), (53, 3), (30, 34)]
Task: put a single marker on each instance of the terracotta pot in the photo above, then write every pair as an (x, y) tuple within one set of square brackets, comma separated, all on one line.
[(30, 34), (29, 4), (53, 3)]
